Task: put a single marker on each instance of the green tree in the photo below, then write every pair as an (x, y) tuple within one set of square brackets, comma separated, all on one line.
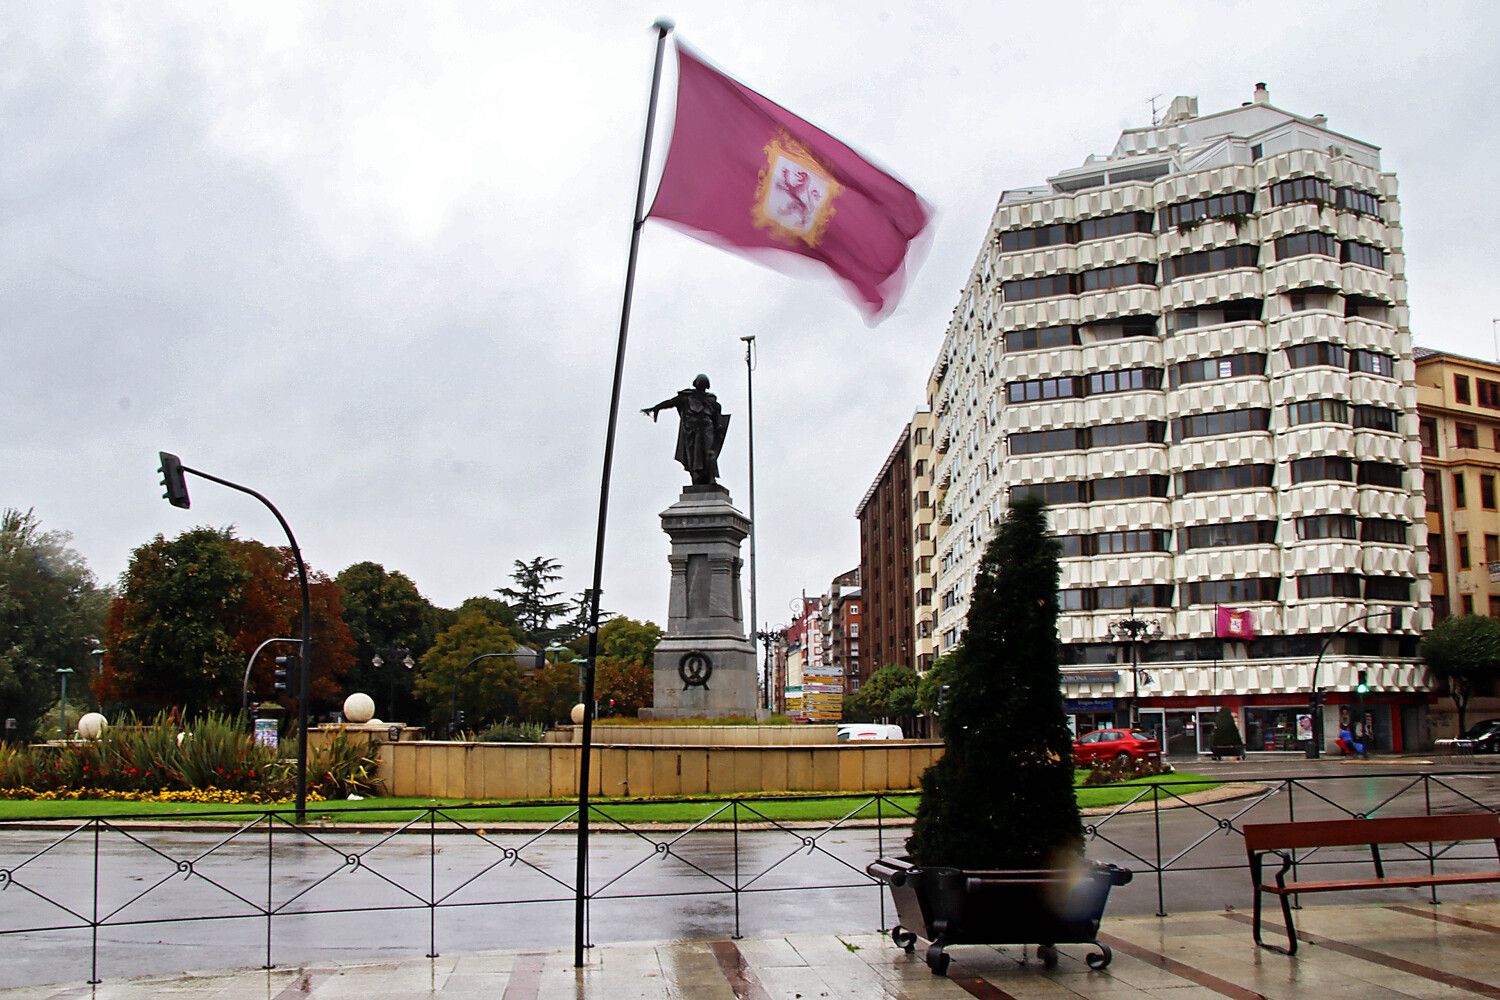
[(626, 654), (385, 612), (536, 606), (485, 690), (1464, 652), (890, 694), (930, 687), (580, 610), (550, 694), (51, 615), (1001, 796)]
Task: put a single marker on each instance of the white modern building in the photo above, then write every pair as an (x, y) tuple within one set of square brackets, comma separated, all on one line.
[(1196, 349)]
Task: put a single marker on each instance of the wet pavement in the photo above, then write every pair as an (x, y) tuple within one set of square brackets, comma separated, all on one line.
[(1365, 952)]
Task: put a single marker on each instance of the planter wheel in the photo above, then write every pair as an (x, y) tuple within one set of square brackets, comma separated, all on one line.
[(937, 960), (905, 939), (1099, 959), (1048, 954)]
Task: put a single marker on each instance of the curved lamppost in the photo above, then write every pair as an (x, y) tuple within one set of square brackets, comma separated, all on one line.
[(1316, 750), (518, 653), (1136, 632)]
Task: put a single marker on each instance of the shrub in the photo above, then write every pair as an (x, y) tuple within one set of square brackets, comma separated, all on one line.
[(340, 767), (1109, 772), (508, 731)]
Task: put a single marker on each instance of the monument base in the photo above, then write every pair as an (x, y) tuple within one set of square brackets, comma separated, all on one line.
[(703, 678)]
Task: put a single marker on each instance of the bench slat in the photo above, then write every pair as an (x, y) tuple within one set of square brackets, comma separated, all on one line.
[(1356, 832), (1395, 882)]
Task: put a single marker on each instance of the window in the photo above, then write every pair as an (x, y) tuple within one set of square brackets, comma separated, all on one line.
[(1185, 265), (1312, 355), (1492, 548), (854, 628), (1233, 591), (1234, 477), (1461, 388), (1463, 550), (1116, 542), (1487, 492), (1325, 526), (1322, 468), (1233, 311), (1128, 380), (1460, 496), (1466, 436), (1053, 493), (1376, 418), (1387, 588), (1432, 486), (1427, 432), (1354, 200), (1383, 529), (1125, 326), (1328, 585), (1073, 546), (1373, 363), (1353, 252), (1115, 277), (1128, 487), (1437, 552), (1135, 432), (1301, 189), (1382, 474), (1114, 225), (1147, 596), (1217, 207), (1333, 411), (1302, 244), (1037, 288), (1039, 442), (1212, 369), (1045, 388), (1468, 604), (1041, 236), (1078, 599), (1042, 337), (1212, 536), (1228, 422), (1489, 395)]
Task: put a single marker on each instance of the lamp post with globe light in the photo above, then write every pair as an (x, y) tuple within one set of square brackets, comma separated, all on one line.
[(1135, 632), (399, 656)]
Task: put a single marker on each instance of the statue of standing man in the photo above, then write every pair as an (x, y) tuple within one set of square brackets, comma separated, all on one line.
[(700, 430)]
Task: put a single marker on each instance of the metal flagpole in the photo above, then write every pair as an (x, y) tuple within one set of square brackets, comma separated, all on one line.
[(580, 903), (750, 419)]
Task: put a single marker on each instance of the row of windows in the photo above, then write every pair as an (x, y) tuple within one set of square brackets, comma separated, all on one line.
[(1224, 422), (1217, 207), (1069, 336), (1114, 543), (1323, 353), (1354, 252), (1212, 369), (1334, 468), (1186, 265), (1094, 490), (1077, 386), (1323, 468), (1300, 244), (1373, 588), (1369, 529), (1349, 199), (1075, 232), (1084, 281), (1232, 477), (1083, 438), (1336, 411), (1236, 533)]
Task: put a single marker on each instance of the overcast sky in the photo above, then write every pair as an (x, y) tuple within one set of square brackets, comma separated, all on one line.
[(368, 258)]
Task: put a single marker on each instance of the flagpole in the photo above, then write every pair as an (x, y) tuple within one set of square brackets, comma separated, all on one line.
[(580, 903)]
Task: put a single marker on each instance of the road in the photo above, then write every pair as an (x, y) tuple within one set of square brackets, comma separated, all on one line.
[(513, 889)]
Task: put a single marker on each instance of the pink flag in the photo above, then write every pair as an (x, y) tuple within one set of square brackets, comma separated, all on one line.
[(746, 174), (1233, 624)]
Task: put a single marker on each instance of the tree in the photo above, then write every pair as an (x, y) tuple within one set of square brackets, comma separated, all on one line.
[(930, 687), (626, 654), (534, 604), (1465, 653), (581, 612), (889, 694), (51, 615), (1001, 796), (193, 609), (385, 612), (451, 677), (550, 694)]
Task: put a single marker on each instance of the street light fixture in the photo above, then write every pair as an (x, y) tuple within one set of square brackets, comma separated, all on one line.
[(768, 635), (377, 661), (1136, 632)]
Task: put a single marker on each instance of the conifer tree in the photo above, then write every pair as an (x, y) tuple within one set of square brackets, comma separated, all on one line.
[(1002, 795)]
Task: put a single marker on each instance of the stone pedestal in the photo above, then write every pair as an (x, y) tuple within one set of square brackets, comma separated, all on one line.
[(704, 665)]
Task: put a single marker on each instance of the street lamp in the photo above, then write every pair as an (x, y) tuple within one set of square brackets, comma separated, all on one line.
[(1315, 751), (767, 635), (62, 703), (517, 653), (377, 661), (1136, 632)]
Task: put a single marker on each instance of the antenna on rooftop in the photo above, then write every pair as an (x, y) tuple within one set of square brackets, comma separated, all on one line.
[(1152, 101)]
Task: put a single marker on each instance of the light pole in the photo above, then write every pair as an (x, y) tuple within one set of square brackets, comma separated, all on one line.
[(750, 439), (405, 660), (1136, 632), (1315, 751), (62, 703), (767, 636), (173, 478)]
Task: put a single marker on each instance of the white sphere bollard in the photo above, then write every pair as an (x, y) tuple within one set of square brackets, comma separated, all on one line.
[(92, 726), (577, 714), (359, 708)]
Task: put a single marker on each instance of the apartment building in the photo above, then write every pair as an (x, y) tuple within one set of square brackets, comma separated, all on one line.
[(885, 516), (1196, 349)]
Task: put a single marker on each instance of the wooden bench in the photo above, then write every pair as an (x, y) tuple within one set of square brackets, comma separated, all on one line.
[(1281, 839)]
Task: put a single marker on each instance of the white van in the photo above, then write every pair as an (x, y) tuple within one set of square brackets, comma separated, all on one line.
[(869, 731)]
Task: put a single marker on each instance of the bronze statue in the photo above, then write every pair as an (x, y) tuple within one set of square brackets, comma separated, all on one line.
[(700, 430)]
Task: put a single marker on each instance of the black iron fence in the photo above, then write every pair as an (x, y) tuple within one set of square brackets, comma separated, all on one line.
[(384, 875)]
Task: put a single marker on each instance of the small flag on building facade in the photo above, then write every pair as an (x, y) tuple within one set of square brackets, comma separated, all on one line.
[(745, 174), (1234, 624)]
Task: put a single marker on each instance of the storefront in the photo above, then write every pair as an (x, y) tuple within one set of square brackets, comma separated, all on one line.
[(1282, 728), (1087, 714)]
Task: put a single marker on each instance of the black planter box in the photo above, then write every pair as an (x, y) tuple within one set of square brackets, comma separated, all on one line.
[(948, 906)]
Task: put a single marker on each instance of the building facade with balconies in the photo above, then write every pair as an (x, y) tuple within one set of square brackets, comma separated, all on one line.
[(1196, 350), (885, 518)]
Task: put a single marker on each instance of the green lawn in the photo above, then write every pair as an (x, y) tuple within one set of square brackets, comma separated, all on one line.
[(400, 810)]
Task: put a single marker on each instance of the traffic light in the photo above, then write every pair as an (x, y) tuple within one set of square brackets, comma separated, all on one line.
[(174, 481), (286, 666), (1362, 686), (608, 708)]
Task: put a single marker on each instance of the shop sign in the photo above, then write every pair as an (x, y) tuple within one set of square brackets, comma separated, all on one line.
[(1090, 704), (1076, 677)]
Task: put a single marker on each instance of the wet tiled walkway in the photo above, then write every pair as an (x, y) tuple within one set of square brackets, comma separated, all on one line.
[(1367, 952)]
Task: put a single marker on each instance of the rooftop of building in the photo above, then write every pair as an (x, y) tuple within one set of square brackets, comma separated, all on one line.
[(1420, 354), (1185, 141)]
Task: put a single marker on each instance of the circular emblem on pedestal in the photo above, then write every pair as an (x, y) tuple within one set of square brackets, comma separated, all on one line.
[(695, 669)]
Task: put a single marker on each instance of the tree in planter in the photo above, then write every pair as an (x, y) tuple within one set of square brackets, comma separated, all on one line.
[(1001, 796), (1465, 653)]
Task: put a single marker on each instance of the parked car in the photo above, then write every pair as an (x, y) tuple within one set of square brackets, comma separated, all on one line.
[(869, 731), (1113, 744), (1481, 737)]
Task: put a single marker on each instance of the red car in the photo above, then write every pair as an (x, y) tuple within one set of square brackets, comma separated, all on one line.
[(1113, 744)]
